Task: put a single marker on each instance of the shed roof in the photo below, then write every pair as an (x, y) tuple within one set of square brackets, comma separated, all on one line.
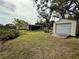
[(65, 21)]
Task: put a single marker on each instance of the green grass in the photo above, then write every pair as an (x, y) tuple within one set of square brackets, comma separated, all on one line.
[(39, 45)]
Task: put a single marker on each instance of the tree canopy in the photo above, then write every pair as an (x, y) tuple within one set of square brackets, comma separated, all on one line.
[(19, 22), (46, 8)]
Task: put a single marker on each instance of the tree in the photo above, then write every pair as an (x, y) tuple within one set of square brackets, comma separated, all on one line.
[(20, 23), (46, 7), (61, 9), (39, 21)]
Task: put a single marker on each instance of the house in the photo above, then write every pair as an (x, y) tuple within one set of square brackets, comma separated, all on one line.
[(34, 27), (66, 27), (10, 26), (21, 27)]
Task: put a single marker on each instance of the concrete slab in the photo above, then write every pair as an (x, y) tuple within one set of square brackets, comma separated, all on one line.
[(60, 36)]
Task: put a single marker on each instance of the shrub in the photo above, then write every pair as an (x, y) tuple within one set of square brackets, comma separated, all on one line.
[(46, 30), (8, 34)]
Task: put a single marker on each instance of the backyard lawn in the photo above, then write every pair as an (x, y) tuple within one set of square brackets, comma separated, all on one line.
[(39, 45)]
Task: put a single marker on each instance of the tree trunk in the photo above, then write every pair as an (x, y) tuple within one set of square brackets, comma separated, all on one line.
[(47, 27)]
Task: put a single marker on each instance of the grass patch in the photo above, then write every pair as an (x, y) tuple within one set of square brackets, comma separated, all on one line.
[(39, 45)]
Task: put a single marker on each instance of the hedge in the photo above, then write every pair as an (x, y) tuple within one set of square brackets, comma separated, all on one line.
[(8, 34)]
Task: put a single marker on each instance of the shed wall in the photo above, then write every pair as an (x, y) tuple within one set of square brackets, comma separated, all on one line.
[(74, 27), (77, 30)]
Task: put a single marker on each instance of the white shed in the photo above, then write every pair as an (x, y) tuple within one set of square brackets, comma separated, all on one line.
[(66, 27)]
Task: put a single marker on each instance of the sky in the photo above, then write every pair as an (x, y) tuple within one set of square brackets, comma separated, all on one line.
[(22, 9)]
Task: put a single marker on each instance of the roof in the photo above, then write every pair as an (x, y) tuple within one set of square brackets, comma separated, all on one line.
[(65, 21), (35, 25)]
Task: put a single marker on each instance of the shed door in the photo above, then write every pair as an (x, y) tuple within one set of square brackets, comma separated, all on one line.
[(64, 28)]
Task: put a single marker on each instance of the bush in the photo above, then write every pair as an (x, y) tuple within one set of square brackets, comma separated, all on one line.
[(8, 34), (46, 30)]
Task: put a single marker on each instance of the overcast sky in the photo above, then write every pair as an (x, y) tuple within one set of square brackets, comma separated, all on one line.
[(22, 9)]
